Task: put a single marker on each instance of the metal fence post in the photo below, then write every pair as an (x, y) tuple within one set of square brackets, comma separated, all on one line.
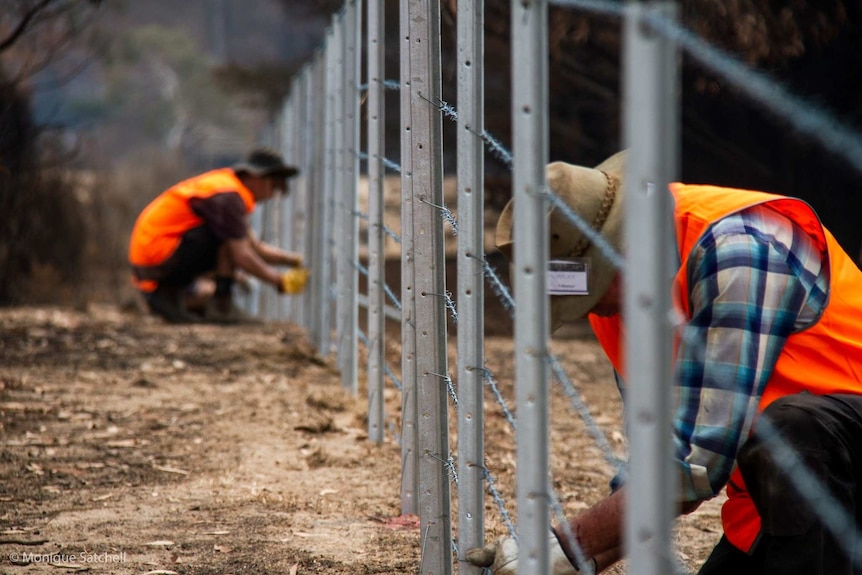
[(302, 191), (471, 294), (651, 131), (409, 449), (530, 149), (376, 248), (269, 234), (324, 299), (338, 191), (315, 105), (349, 253), (254, 292), (430, 287), (293, 213), (287, 201)]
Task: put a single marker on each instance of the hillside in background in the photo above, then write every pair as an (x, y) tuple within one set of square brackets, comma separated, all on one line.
[(155, 49)]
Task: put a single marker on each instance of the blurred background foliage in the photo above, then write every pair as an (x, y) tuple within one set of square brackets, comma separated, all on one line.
[(105, 103)]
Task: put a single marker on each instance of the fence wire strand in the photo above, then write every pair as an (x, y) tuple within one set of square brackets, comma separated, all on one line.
[(803, 116)]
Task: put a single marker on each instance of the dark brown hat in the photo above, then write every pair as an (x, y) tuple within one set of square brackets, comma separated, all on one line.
[(265, 162)]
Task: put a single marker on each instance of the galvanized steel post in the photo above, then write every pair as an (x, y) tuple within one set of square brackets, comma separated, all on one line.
[(269, 234), (339, 199), (348, 192), (471, 318), (651, 131), (530, 149), (324, 337), (430, 286), (254, 293), (376, 247), (317, 109), (315, 106), (409, 438), (298, 187), (287, 201)]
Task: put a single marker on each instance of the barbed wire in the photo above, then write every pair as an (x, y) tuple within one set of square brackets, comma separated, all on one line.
[(386, 369), (389, 293), (386, 230), (804, 116)]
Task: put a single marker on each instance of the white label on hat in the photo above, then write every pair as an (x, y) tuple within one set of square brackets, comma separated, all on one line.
[(568, 276)]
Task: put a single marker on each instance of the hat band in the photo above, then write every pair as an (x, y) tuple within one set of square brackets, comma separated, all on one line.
[(600, 218)]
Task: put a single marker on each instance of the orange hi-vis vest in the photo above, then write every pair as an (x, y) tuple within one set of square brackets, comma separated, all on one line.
[(824, 358), (159, 229)]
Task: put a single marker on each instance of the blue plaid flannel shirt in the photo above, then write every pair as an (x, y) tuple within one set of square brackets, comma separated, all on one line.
[(754, 279)]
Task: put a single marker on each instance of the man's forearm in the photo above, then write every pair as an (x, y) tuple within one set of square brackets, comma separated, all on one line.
[(598, 531), (247, 259), (276, 256), (258, 268)]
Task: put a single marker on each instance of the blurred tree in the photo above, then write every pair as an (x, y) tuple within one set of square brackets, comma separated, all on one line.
[(34, 33), (40, 223), (159, 81), (263, 86), (142, 83)]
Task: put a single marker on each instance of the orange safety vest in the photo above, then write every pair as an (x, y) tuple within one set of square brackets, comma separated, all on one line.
[(159, 229), (824, 358)]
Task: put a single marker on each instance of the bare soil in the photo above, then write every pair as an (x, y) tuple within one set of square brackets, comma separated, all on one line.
[(133, 446)]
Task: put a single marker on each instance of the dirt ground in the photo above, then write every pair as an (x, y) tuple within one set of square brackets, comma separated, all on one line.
[(130, 446)]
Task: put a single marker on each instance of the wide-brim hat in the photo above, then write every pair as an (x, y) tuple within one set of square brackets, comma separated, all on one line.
[(265, 162), (594, 194)]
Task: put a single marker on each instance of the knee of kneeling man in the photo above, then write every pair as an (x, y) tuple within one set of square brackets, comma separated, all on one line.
[(792, 415)]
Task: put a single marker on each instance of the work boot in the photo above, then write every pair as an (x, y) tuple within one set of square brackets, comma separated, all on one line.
[(167, 303), (223, 311)]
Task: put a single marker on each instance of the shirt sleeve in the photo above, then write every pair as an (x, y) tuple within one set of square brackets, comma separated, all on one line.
[(223, 213), (749, 288)]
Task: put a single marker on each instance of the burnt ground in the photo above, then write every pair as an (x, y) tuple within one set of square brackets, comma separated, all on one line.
[(132, 446)]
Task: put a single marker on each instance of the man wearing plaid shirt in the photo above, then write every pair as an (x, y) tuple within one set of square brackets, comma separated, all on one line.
[(770, 349)]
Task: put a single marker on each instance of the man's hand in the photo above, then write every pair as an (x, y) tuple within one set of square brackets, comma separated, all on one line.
[(294, 260), (501, 557)]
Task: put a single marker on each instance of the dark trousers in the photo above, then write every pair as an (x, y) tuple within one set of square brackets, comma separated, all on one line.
[(196, 255), (826, 434)]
